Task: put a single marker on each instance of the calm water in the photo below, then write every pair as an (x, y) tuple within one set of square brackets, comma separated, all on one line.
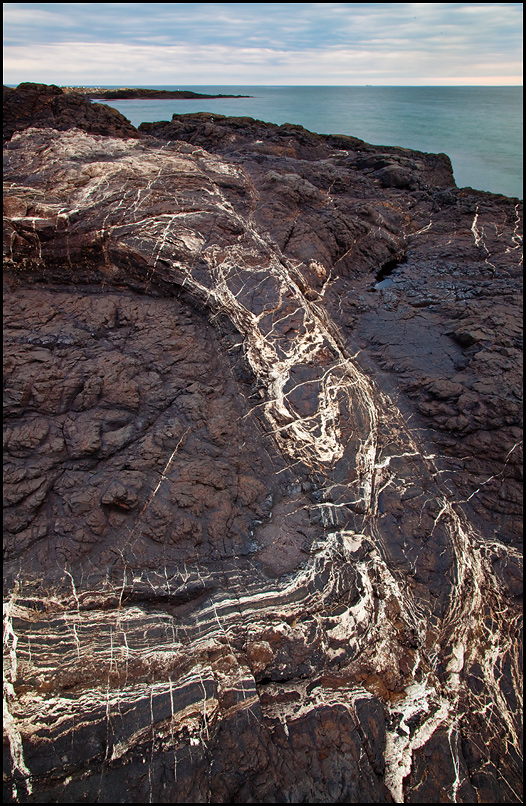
[(480, 128)]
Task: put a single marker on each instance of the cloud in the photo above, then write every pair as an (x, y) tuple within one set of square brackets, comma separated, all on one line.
[(255, 43), (117, 63)]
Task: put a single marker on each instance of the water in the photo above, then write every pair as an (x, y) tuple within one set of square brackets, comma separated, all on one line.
[(480, 128)]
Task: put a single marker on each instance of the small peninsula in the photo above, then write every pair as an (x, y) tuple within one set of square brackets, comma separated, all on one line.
[(141, 92)]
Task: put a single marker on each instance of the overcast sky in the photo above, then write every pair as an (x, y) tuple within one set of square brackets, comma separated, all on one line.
[(130, 44)]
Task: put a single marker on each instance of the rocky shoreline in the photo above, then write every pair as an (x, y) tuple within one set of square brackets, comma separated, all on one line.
[(262, 441)]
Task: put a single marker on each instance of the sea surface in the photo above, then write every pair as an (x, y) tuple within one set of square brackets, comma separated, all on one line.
[(479, 128)]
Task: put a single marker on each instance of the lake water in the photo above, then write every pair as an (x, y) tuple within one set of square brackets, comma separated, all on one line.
[(480, 128)]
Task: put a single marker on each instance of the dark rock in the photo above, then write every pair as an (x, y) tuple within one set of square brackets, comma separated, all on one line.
[(262, 533), (45, 106)]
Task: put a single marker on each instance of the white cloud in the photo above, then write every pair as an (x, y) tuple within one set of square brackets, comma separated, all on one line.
[(256, 43), (117, 63), (34, 17)]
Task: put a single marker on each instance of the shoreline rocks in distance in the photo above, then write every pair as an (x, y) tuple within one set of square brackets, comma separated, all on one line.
[(140, 92)]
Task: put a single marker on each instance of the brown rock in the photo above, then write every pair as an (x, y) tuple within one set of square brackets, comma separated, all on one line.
[(41, 105), (262, 513)]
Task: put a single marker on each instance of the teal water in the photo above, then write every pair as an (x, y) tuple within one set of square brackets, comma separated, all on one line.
[(480, 128)]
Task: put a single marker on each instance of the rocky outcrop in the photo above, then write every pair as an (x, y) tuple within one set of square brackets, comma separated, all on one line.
[(262, 445), (253, 140), (46, 106), (426, 303)]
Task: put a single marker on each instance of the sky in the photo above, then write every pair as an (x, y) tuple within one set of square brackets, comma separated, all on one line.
[(187, 44)]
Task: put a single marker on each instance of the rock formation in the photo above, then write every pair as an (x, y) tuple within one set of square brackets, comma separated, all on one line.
[(48, 106), (262, 441)]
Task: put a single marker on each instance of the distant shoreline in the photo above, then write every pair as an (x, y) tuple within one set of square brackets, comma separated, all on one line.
[(102, 93)]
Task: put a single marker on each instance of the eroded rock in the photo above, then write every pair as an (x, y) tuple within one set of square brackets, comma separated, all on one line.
[(262, 537), (44, 106)]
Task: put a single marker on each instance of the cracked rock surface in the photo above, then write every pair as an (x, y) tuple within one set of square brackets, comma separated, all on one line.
[(262, 433)]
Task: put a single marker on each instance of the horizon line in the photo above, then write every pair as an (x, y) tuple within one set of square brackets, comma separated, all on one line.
[(147, 86)]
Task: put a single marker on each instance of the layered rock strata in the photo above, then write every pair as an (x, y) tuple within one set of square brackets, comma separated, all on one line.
[(262, 437)]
